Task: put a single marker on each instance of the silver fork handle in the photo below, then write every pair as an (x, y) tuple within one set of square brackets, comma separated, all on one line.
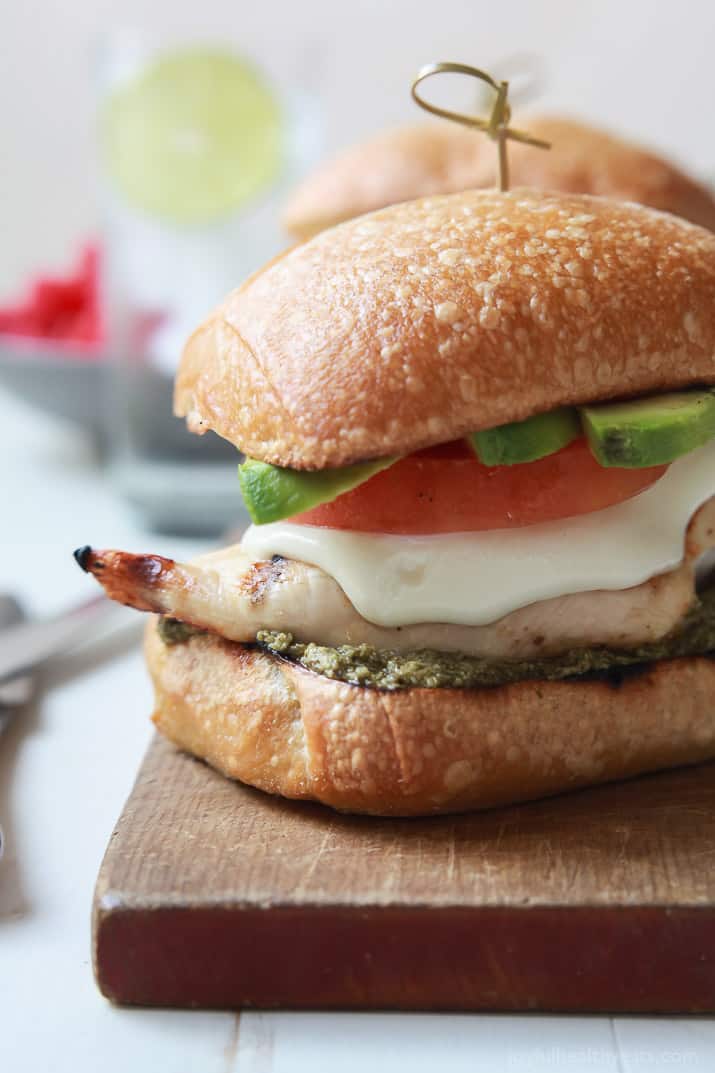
[(28, 644)]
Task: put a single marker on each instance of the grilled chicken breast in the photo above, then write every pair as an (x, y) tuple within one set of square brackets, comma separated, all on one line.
[(229, 593)]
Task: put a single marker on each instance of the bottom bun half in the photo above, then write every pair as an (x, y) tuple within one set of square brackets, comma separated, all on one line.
[(417, 752)]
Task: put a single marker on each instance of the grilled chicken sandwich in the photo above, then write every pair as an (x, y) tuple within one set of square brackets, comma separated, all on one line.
[(443, 158), (480, 439)]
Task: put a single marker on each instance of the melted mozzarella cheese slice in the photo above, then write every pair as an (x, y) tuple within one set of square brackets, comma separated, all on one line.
[(476, 578)]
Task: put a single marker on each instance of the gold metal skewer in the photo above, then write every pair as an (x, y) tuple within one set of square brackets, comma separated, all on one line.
[(495, 127)]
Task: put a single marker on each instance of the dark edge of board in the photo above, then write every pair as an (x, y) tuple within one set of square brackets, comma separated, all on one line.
[(640, 959)]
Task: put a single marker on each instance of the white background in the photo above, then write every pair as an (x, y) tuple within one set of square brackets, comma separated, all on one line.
[(644, 67)]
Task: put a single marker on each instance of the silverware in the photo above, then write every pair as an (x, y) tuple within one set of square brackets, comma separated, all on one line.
[(27, 644), (15, 692)]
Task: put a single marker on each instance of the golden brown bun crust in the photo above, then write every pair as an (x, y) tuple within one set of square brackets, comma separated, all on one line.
[(428, 320), (276, 726), (425, 159), (587, 160), (396, 165)]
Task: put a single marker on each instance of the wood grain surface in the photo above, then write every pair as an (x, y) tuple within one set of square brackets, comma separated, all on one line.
[(215, 895)]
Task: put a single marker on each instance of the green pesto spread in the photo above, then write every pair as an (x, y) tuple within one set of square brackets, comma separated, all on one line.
[(385, 669), (174, 632)]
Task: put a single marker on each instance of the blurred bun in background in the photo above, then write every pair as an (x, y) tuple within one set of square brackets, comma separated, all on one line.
[(442, 158)]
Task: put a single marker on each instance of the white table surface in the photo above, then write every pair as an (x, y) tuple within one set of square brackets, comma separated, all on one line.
[(66, 767)]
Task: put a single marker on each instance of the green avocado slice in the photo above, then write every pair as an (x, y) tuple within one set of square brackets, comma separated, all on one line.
[(272, 492), (651, 431), (525, 441)]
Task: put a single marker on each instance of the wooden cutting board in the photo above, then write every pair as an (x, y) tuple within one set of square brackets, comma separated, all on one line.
[(214, 895)]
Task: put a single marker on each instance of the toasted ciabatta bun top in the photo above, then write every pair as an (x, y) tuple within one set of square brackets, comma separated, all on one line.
[(425, 321), (425, 159)]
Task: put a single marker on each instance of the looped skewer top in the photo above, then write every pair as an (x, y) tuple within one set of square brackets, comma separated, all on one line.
[(495, 127)]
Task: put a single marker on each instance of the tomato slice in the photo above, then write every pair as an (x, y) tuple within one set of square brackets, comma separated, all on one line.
[(446, 489)]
